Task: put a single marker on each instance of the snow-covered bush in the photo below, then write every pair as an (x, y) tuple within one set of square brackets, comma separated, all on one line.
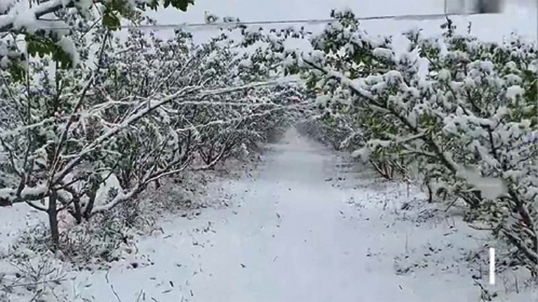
[(463, 122), (30, 273)]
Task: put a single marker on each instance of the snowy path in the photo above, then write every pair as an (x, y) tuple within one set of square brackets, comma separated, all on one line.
[(293, 235)]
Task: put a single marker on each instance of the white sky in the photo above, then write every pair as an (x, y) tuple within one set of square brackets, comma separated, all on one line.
[(520, 15)]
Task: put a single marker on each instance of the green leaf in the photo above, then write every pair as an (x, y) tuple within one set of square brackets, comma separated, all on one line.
[(181, 4), (111, 20), (153, 4), (17, 71), (42, 46)]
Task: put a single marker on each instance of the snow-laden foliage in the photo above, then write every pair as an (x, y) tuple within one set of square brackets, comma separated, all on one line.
[(47, 27), (463, 124), (146, 109), (454, 112)]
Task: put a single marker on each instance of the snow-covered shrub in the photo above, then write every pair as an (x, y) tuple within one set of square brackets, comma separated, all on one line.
[(85, 246), (182, 193), (33, 274)]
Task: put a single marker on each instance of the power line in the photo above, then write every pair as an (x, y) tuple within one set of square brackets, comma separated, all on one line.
[(275, 22), (296, 21)]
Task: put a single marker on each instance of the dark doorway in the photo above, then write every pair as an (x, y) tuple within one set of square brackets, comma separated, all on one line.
[(488, 6)]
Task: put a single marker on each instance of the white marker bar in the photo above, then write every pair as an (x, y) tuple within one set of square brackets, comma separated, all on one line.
[(491, 266)]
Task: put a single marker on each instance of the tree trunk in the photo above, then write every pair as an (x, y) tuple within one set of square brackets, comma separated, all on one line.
[(78, 210), (91, 201), (53, 221), (430, 193)]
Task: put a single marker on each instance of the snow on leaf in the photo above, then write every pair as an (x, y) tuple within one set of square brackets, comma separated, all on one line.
[(363, 154), (393, 77), (514, 91), (69, 48), (444, 75), (491, 188), (384, 53)]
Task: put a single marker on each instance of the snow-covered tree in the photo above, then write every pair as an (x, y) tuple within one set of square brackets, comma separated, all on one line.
[(463, 123), (143, 111), (457, 113)]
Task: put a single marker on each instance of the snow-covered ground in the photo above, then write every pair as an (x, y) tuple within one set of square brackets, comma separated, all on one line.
[(307, 226)]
